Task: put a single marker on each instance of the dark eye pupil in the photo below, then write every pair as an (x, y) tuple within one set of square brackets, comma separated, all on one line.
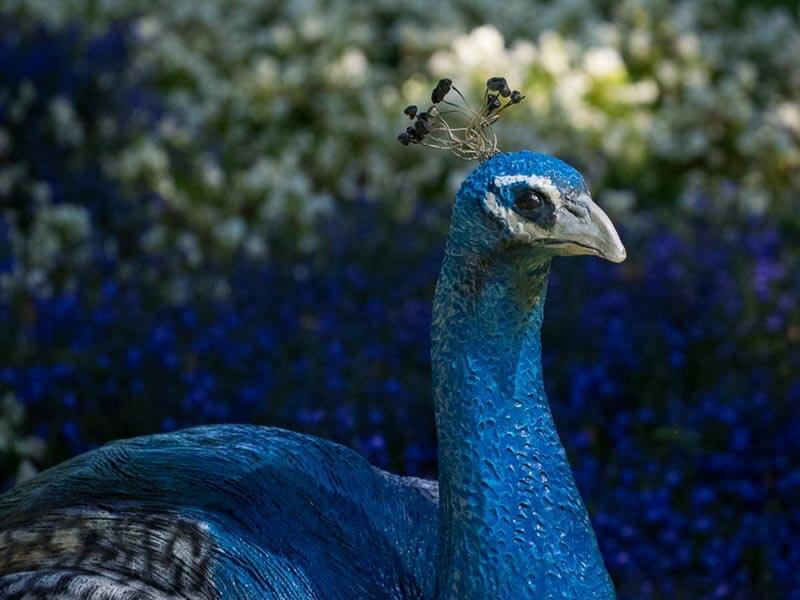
[(528, 200)]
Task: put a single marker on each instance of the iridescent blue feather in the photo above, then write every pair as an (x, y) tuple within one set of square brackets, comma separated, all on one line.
[(266, 513)]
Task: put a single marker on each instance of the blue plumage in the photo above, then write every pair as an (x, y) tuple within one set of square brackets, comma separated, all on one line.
[(268, 512), (255, 512)]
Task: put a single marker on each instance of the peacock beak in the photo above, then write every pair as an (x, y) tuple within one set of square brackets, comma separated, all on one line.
[(583, 228)]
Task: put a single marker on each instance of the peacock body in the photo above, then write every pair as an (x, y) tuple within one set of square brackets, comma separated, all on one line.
[(230, 511), (243, 512)]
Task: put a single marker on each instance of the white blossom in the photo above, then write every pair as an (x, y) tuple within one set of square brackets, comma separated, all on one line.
[(603, 62), (636, 85), (350, 69)]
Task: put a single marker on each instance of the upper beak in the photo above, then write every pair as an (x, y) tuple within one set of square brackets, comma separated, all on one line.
[(583, 228)]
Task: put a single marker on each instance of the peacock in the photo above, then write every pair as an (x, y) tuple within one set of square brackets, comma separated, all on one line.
[(248, 512)]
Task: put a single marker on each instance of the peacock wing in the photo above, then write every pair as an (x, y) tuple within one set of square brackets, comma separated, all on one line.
[(233, 512)]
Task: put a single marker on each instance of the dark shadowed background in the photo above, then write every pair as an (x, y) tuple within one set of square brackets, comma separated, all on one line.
[(205, 217)]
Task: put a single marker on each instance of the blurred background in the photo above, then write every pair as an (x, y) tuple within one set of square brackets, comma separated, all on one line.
[(205, 217)]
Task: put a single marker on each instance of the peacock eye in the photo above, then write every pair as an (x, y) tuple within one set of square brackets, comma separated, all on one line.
[(529, 200)]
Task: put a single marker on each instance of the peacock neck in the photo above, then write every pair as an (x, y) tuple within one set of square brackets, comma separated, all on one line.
[(512, 523)]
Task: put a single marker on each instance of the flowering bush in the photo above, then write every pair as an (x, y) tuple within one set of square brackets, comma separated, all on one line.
[(274, 115), (205, 217)]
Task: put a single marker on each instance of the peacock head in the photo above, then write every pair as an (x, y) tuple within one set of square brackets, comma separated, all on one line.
[(536, 201), (530, 201)]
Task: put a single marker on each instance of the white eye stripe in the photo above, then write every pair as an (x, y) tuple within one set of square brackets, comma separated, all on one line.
[(514, 224), (539, 182), (503, 180)]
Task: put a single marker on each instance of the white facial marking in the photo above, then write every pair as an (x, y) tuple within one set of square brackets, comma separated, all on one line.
[(509, 217), (537, 182), (518, 226)]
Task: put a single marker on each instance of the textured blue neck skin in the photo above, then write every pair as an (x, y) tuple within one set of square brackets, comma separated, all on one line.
[(512, 523)]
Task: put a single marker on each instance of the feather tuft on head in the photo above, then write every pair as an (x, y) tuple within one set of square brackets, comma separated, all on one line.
[(456, 126)]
